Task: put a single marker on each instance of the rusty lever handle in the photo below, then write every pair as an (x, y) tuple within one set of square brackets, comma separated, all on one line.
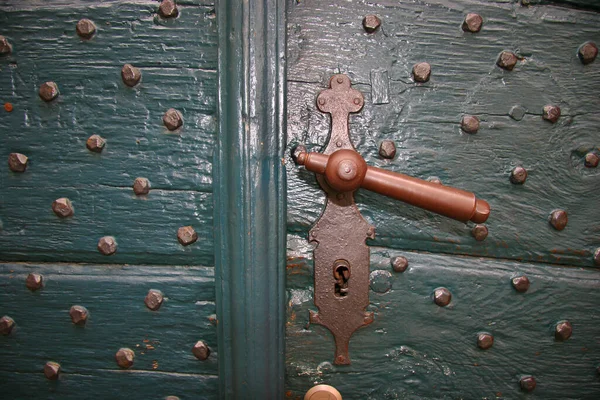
[(346, 171)]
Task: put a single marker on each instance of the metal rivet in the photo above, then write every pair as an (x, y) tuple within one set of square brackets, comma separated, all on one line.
[(527, 383), (6, 325), (520, 283), (85, 28), (34, 281), (154, 299), (297, 151), (5, 46), (62, 207), (52, 370), (141, 186), (130, 75), (48, 91), (591, 160), (340, 79), (551, 113), (172, 119), (168, 9), (186, 235), (434, 179), (442, 296), (507, 60), (587, 52), (95, 143), (479, 232), (399, 264), (338, 143), (563, 330), (79, 315), (518, 175), (371, 232), (107, 245), (125, 357), (387, 149), (322, 101), (597, 256), (469, 124), (558, 219), (472, 23), (380, 281), (421, 72), (485, 340), (201, 350), (357, 101), (17, 162), (371, 23)]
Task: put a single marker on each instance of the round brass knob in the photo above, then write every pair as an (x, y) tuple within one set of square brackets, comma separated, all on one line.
[(323, 392)]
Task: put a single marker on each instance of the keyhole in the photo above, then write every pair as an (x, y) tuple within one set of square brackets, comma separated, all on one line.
[(341, 274)]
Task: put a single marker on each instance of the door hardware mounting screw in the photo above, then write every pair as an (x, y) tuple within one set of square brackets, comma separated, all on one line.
[(387, 149), (479, 232)]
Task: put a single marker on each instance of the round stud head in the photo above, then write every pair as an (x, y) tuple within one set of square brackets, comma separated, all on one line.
[(141, 186), (62, 207), (186, 235), (168, 9), (201, 350), (107, 245), (563, 330), (17, 162), (79, 315), (345, 170), (469, 124), (5, 47), (472, 23), (323, 392), (399, 264), (95, 143), (591, 160), (380, 281), (52, 370), (507, 60), (597, 256), (421, 72), (518, 175), (387, 149), (371, 23), (442, 296), (85, 28), (172, 119), (551, 113), (527, 383), (34, 281), (520, 283), (479, 232), (6, 325), (125, 357), (587, 52), (558, 219), (154, 299), (130, 75), (48, 91), (485, 340)]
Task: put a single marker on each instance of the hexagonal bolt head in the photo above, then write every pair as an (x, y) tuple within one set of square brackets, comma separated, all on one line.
[(52, 370), (6, 325), (85, 28), (563, 330), (201, 350), (17, 162), (469, 124), (591, 160), (387, 149), (527, 383), (559, 219), (172, 119), (518, 175), (371, 23), (520, 283), (107, 245), (130, 75), (399, 264), (79, 315), (485, 340), (95, 143), (62, 207), (186, 235), (587, 52), (141, 186), (154, 299), (507, 60), (442, 296), (472, 23), (5, 47), (48, 91), (168, 9), (125, 357), (34, 281), (597, 256), (421, 72), (551, 113), (479, 232)]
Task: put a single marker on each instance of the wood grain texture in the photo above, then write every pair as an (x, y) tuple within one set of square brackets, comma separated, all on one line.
[(415, 349), (326, 37), (114, 296), (178, 63)]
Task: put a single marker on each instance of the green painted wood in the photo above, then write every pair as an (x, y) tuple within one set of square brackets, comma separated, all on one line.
[(326, 37), (417, 350), (250, 199), (114, 296)]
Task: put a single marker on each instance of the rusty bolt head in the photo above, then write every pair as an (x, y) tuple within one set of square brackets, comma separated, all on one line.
[(79, 315), (591, 160), (558, 219), (62, 207), (387, 149), (186, 235), (371, 23), (485, 340), (587, 52), (52, 370), (399, 264), (85, 28), (17, 162), (469, 124), (442, 296), (201, 350), (297, 151), (472, 23), (172, 119), (507, 60), (141, 186), (520, 283), (597, 256), (34, 281), (168, 9), (551, 113), (421, 72), (125, 357), (527, 383), (518, 175), (107, 245), (563, 330), (95, 143), (48, 91), (130, 75), (6, 325), (5, 47), (154, 299), (479, 232)]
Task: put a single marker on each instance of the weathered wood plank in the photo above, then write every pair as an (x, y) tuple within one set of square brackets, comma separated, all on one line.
[(326, 37)]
